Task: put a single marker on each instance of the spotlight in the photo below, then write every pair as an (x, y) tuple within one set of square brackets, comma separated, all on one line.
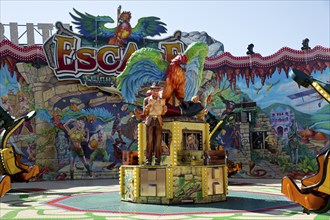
[(309, 82)]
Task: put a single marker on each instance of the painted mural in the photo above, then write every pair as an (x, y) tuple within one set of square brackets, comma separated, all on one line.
[(83, 126), (287, 129), (17, 99)]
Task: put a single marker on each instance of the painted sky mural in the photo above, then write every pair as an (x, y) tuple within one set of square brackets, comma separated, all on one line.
[(279, 105), (279, 87)]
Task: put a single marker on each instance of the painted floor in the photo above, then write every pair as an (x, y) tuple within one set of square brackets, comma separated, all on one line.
[(99, 199)]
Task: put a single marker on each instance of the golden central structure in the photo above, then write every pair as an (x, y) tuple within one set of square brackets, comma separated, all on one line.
[(190, 172)]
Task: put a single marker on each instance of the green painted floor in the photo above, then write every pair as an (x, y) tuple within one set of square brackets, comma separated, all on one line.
[(99, 199)]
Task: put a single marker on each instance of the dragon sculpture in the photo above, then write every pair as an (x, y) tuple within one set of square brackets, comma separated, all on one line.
[(94, 27)]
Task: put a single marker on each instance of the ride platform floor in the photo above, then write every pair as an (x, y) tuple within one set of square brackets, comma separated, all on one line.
[(99, 199)]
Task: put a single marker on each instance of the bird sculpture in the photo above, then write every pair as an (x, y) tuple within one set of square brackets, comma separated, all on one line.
[(95, 28), (182, 76)]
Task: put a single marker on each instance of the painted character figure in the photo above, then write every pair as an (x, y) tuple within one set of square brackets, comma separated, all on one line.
[(62, 146), (236, 138), (97, 143), (191, 143), (6, 105), (77, 135), (165, 148), (118, 147), (31, 150), (117, 127), (220, 138), (154, 107), (271, 141), (24, 109), (230, 106)]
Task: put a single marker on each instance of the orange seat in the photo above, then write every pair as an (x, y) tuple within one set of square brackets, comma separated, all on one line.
[(25, 176), (307, 200), (5, 184), (314, 194), (315, 180)]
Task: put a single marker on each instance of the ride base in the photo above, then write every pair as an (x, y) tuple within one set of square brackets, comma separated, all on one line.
[(184, 176)]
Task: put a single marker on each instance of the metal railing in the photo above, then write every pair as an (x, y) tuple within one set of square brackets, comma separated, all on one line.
[(28, 34)]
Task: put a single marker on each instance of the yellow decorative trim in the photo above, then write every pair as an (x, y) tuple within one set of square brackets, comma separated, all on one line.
[(173, 149), (141, 142), (225, 177), (216, 127), (207, 137), (169, 182), (204, 182), (136, 172), (121, 180), (321, 91)]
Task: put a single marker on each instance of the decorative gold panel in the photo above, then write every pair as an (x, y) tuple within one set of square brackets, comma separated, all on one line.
[(152, 181), (215, 180)]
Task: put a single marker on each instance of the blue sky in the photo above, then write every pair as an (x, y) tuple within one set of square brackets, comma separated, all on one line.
[(269, 25)]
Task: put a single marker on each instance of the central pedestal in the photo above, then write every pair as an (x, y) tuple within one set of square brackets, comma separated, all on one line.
[(189, 173), (173, 185)]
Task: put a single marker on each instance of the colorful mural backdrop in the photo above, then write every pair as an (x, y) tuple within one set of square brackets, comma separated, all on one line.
[(83, 126)]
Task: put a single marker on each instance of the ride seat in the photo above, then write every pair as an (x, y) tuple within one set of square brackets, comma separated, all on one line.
[(5, 184), (321, 180), (315, 191)]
